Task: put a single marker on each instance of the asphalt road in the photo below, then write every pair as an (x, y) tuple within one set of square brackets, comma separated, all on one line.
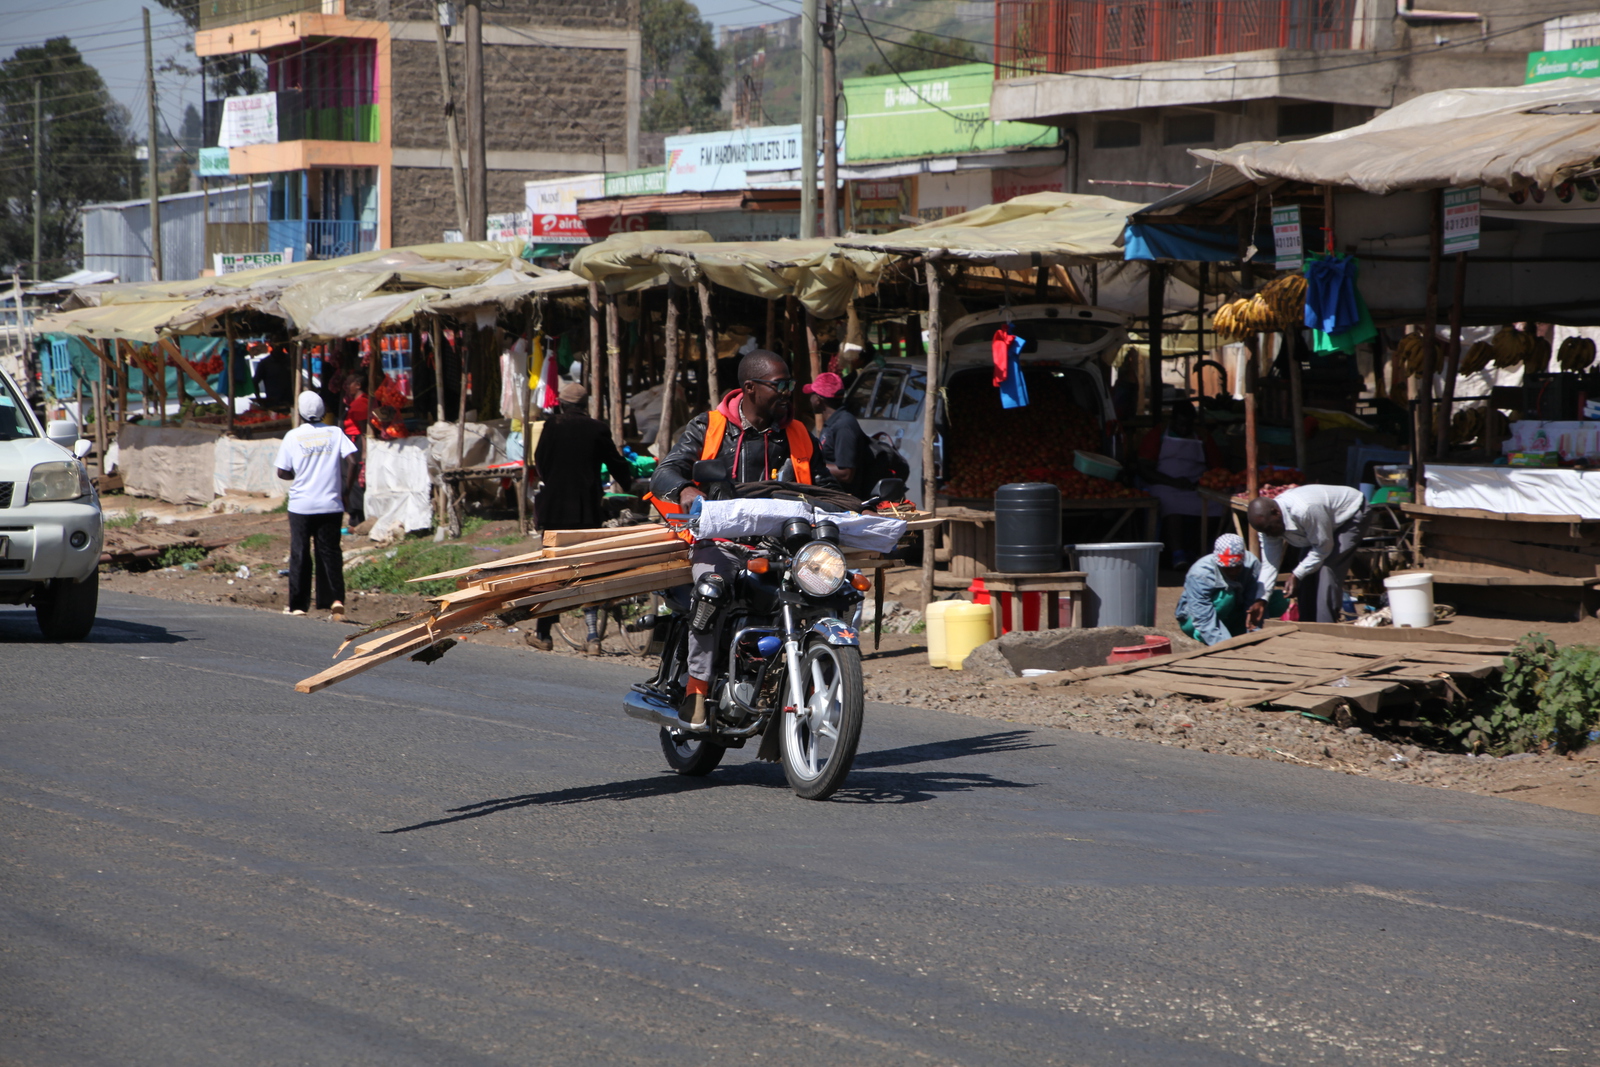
[(483, 862)]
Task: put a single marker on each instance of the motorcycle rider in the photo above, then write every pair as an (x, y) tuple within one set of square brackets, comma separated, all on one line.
[(752, 431)]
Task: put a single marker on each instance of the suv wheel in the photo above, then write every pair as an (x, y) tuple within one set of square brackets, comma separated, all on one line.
[(65, 608)]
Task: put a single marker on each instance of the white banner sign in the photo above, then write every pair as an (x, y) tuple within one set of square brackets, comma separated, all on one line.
[(708, 162), (233, 262), (249, 120), (1287, 239)]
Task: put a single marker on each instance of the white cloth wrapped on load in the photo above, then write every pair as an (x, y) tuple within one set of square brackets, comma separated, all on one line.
[(765, 518)]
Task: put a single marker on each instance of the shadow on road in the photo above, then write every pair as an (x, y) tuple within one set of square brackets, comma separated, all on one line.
[(20, 627), (864, 786)]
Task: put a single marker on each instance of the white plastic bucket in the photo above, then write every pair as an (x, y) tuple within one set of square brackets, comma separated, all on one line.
[(1410, 599)]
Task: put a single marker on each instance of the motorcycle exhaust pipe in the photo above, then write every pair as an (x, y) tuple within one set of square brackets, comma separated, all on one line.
[(651, 709)]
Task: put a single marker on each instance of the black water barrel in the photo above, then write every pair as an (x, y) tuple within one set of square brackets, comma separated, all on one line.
[(1027, 528)]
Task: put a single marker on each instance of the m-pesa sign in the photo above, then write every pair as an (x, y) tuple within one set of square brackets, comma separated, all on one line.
[(553, 208)]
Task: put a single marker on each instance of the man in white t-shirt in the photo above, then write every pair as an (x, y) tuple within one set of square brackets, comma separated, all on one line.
[(316, 460)]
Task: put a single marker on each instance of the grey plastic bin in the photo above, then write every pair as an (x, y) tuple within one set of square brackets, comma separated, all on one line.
[(1121, 579)]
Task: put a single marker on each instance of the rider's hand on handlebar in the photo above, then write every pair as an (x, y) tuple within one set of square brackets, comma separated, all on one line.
[(687, 496)]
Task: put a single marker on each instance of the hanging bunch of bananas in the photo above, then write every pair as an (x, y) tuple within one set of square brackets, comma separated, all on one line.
[(1475, 358), (1575, 354), (1466, 426), (1537, 359), (1408, 355), (1239, 319), (1285, 297), (1512, 346)]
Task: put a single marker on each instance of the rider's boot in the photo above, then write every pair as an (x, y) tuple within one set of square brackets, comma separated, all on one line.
[(692, 710)]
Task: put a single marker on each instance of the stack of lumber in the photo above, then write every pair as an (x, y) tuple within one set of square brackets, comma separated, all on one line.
[(125, 544), (575, 568)]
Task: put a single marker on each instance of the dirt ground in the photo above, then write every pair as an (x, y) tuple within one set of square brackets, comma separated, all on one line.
[(899, 673)]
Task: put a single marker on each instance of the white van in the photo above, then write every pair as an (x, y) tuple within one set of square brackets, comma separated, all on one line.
[(50, 523), (1066, 342)]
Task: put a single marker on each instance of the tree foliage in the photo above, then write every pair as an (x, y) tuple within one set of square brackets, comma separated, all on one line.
[(683, 71), (87, 154), (924, 51), (238, 74)]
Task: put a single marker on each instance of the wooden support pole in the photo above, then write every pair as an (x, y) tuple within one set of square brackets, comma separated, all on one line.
[(813, 362), (100, 445), (709, 323), (526, 393), (597, 359), (438, 373), (1251, 458), (1453, 358), (1157, 307), (669, 374), (772, 326), (930, 401), (1422, 413), (228, 366), (614, 368), (1297, 409), (470, 336)]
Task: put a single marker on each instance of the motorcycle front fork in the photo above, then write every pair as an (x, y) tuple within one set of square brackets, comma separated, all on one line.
[(793, 658)]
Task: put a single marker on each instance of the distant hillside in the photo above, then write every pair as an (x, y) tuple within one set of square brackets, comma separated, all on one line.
[(891, 22)]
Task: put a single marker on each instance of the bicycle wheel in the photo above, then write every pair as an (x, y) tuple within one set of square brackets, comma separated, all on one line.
[(573, 631), (629, 614)]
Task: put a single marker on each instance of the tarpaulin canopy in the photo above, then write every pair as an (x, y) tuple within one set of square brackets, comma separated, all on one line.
[(1025, 231), (371, 314), (120, 322), (1503, 138)]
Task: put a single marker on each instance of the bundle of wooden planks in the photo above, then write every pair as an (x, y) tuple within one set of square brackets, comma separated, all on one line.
[(575, 568)]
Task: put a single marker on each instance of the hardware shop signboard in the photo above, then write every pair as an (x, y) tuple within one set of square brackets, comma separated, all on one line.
[(723, 161), (930, 113)]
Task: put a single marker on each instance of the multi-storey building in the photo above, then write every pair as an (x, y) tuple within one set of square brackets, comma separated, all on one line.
[(1134, 84), (350, 130)]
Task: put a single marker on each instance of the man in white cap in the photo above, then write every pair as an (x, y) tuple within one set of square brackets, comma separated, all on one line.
[(317, 461)]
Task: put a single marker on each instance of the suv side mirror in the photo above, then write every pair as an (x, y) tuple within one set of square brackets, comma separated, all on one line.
[(63, 432), (81, 447)]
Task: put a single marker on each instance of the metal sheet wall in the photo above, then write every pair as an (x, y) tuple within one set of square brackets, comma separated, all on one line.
[(116, 237)]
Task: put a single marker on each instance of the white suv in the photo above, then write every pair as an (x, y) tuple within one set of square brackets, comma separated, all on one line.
[(50, 523)]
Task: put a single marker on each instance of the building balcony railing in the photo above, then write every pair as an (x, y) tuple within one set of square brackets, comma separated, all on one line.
[(1058, 36), (321, 238), (302, 116)]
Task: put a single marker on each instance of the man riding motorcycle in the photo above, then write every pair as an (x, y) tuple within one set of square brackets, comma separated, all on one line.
[(751, 431)]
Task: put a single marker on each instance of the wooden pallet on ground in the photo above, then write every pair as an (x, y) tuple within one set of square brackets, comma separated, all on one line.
[(1314, 667)]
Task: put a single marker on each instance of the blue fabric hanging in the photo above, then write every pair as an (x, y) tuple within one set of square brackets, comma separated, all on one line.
[(1331, 300), (1014, 390)]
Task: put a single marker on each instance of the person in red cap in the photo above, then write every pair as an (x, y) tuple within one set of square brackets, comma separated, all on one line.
[(844, 442)]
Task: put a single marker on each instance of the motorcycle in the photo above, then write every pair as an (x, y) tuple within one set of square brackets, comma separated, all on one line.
[(788, 665)]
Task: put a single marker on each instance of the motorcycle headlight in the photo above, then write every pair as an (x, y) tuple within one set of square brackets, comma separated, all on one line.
[(63, 480), (819, 568)]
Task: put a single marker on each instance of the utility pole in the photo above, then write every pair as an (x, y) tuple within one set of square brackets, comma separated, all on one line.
[(477, 163), (450, 119), (830, 121), (38, 138), (154, 179), (808, 118)]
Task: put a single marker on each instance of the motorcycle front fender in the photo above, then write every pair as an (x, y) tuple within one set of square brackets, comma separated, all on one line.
[(837, 632)]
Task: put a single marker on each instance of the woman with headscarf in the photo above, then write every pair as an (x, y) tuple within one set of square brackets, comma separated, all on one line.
[(1223, 595), (317, 461)]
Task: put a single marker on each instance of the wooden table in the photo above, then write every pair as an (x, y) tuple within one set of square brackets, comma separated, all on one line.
[(1225, 503), (1532, 563), (1052, 584)]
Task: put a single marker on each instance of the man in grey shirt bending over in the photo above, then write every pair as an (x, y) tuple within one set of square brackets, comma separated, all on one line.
[(1327, 521)]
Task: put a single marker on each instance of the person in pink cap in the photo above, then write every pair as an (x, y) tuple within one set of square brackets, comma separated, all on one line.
[(844, 442)]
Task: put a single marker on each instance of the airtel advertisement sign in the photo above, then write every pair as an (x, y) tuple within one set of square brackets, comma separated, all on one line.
[(553, 208)]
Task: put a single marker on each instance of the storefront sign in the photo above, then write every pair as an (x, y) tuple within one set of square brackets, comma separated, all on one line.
[(1567, 63), (876, 205), (233, 262), (1287, 240), (651, 181), (1461, 219), (507, 227), (214, 163), (1009, 182), (931, 112), (248, 120), (712, 162), (553, 208)]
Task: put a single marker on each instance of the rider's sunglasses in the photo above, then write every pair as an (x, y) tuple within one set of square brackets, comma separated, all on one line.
[(777, 385)]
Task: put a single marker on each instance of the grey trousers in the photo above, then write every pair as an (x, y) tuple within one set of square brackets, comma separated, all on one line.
[(1321, 594), (708, 558)]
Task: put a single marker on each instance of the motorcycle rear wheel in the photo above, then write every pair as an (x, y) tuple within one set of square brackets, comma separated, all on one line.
[(691, 756), (819, 745)]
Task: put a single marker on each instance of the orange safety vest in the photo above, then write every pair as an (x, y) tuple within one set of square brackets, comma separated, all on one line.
[(717, 427)]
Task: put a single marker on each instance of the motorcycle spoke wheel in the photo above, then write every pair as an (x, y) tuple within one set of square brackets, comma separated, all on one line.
[(690, 755), (819, 740)]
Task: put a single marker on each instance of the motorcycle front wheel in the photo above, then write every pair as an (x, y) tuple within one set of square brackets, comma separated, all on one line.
[(690, 755), (819, 740)]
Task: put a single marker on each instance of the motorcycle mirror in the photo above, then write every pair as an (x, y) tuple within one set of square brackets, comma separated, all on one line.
[(709, 471), (890, 489), (826, 531)]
